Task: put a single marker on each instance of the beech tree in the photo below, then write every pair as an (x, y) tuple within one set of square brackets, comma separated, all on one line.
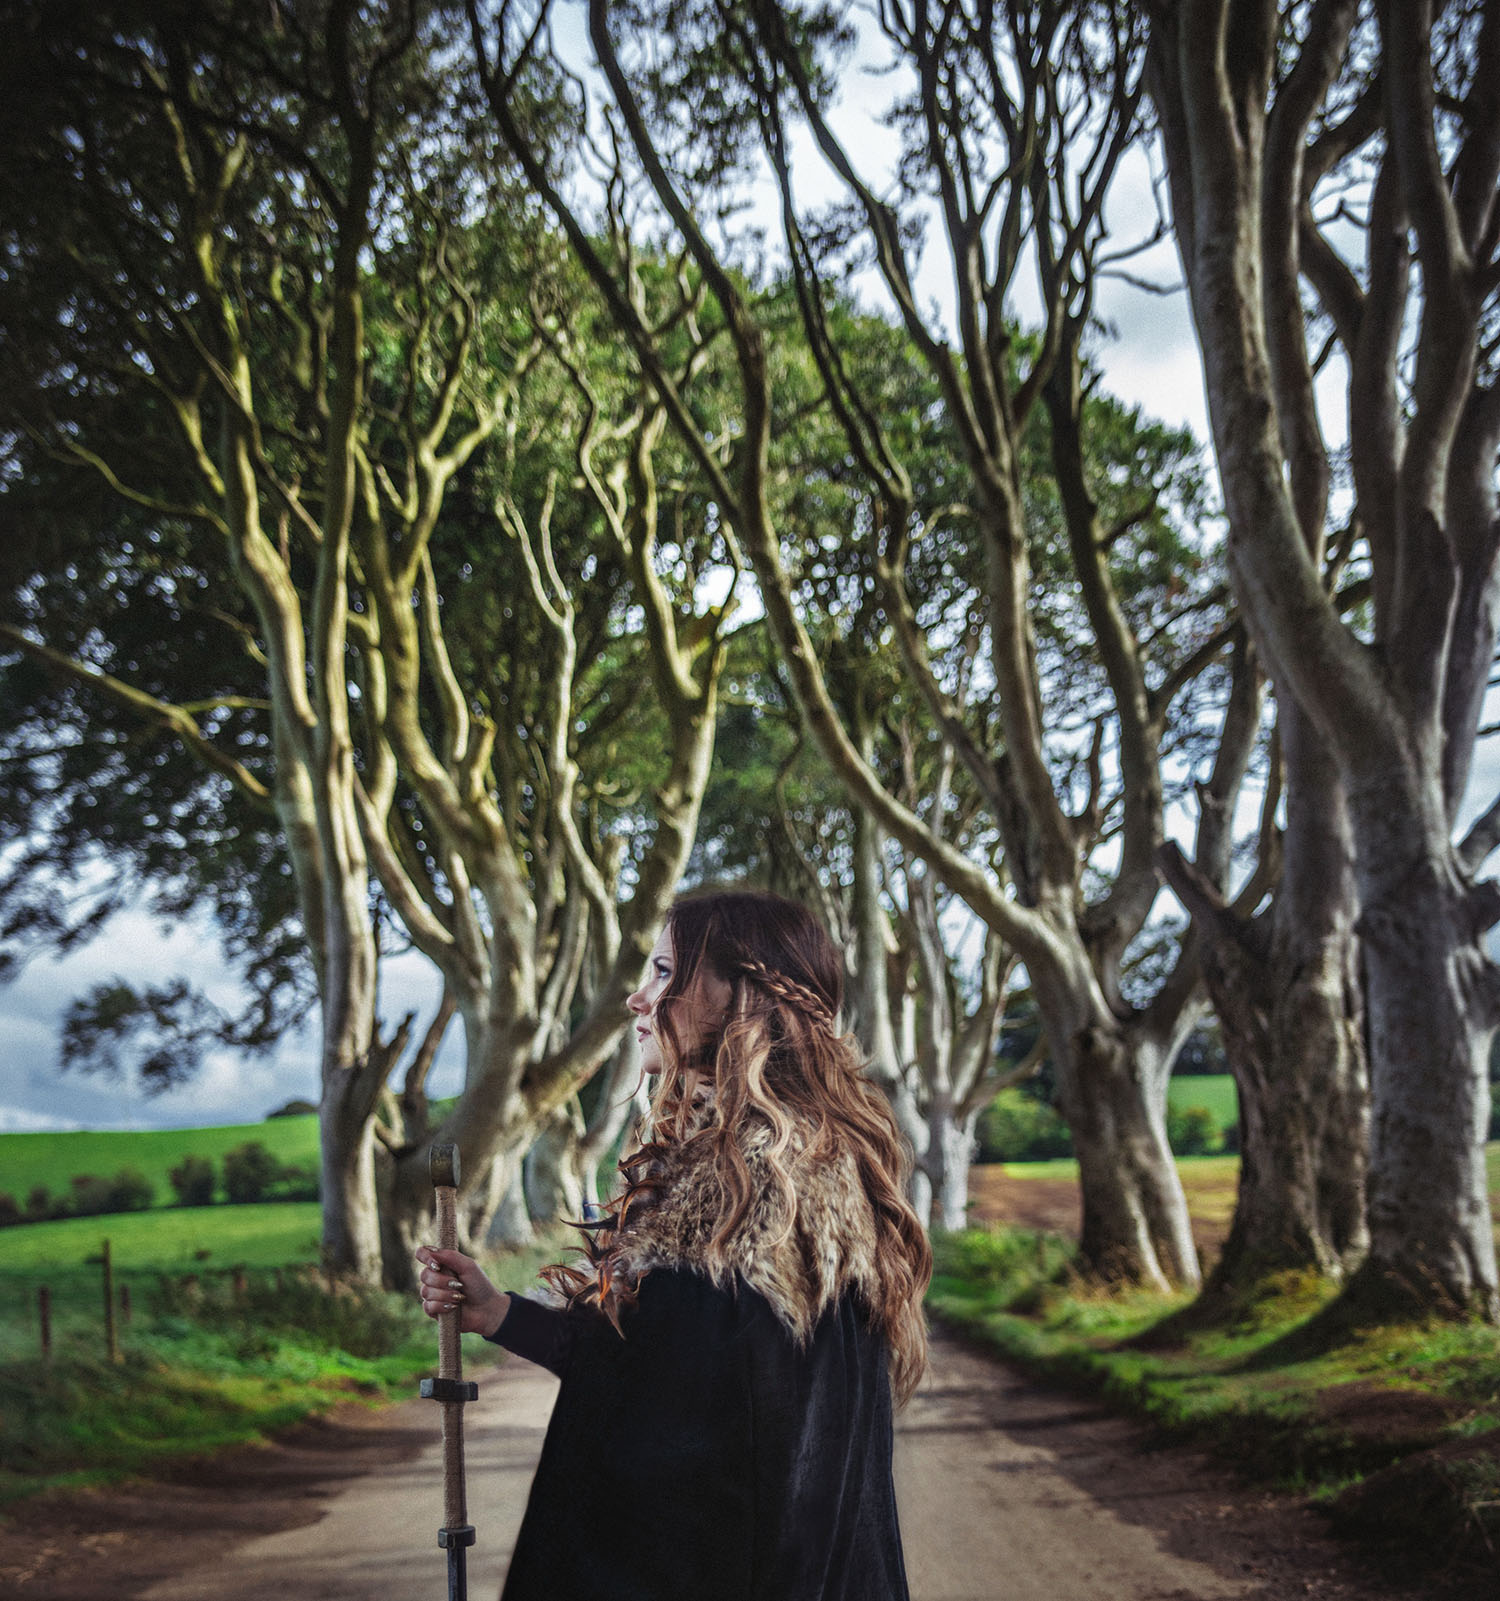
[(515, 889), (1016, 130), (256, 308), (130, 150), (1354, 157)]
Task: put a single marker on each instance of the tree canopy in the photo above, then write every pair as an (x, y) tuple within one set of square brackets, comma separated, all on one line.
[(423, 442)]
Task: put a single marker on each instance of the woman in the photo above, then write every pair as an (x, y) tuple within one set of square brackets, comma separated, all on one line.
[(729, 1346)]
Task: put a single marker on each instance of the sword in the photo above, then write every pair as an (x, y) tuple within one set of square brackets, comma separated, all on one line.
[(457, 1533)]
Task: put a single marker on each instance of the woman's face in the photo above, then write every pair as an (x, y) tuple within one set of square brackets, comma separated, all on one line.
[(695, 1012)]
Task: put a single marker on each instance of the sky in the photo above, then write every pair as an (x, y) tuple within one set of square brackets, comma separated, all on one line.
[(230, 1088), (1152, 361)]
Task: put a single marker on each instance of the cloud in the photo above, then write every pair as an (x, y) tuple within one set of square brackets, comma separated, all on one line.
[(229, 1088), (20, 1120)]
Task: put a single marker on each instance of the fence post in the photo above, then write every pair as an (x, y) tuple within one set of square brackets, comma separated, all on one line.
[(44, 1314), (111, 1338), (125, 1304)]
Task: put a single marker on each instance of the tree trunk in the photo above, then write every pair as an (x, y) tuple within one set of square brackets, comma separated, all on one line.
[(870, 1005), (1430, 993), (552, 1183), (1285, 986), (502, 1220), (1291, 1032), (346, 1159), (613, 1110), (1112, 1086), (401, 1232), (950, 1154)]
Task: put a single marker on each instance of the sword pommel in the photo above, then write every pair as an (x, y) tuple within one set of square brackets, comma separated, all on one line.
[(442, 1166)]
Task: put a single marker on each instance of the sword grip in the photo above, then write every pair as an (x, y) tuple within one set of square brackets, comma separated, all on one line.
[(450, 1361)]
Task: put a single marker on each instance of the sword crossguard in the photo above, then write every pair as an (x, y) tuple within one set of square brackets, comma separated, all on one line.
[(448, 1390)]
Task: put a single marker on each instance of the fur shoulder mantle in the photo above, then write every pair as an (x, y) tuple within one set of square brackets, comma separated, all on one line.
[(801, 1246)]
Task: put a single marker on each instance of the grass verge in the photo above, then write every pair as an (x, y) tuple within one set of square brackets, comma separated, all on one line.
[(206, 1361), (1395, 1430)]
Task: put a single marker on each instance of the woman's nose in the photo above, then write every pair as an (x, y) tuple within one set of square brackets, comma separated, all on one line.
[(637, 1002)]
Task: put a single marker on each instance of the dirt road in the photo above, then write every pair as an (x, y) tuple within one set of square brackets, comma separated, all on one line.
[(1008, 1492)]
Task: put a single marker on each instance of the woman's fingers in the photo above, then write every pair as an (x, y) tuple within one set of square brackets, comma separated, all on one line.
[(452, 1282), (441, 1283)]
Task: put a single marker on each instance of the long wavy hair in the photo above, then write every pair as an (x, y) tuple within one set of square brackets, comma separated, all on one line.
[(777, 1052)]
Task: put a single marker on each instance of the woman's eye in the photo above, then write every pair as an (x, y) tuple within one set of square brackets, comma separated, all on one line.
[(663, 971)]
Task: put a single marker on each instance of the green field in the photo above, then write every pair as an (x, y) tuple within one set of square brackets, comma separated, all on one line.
[(1214, 1091), (53, 1159), (64, 1256), (208, 1358), (175, 1240), (1222, 1169)]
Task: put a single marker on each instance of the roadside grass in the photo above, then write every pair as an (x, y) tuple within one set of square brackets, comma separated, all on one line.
[(206, 1361), (1390, 1420), (54, 1159)]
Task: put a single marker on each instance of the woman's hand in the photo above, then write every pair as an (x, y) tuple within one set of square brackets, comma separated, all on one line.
[(449, 1279)]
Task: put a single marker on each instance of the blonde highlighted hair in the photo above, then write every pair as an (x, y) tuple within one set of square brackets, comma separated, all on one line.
[(777, 1054)]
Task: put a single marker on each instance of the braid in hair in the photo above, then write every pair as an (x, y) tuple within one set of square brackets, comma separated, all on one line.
[(795, 995)]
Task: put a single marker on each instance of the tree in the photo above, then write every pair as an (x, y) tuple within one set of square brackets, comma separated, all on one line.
[(317, 394), (142, 132), (512, 814), (1283, 980), (193, 1181), (1027, 149), (924, 1002), (105, 806), (1291, 132), (249, 1171)]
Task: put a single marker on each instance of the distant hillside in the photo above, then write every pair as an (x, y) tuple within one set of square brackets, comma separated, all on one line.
[(27, 1160), (1215, 1092)]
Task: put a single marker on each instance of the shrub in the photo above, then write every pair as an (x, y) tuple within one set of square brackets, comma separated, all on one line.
[(128, 1191), (131, 1191), (90, 1195), (297, 1184), (249, 1171), (193, 1181), (1015, 1127), (1014, 1268), (39, 1205), (1192, 1131), (10, 1211)]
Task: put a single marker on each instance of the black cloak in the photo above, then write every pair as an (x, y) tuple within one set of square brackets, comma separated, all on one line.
[(735, 1443)]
